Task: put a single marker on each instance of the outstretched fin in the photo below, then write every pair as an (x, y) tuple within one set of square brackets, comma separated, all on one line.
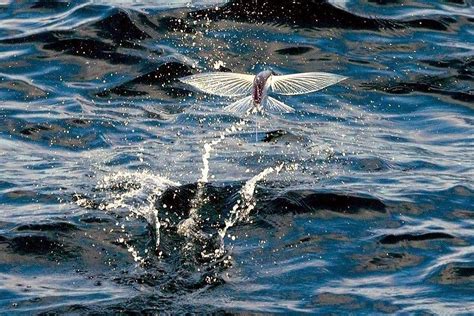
[(304, 82), (273, 105), (227, 84), (241, 106)]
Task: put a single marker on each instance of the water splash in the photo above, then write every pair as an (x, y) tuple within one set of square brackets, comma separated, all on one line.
[(242, 209), (189, 226), (136, 192)]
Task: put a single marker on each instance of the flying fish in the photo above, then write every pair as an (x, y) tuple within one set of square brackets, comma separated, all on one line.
[(256, 88)]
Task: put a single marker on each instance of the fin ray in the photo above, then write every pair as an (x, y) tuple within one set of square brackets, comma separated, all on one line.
[(241, 106), (303, 82), (227, 84), (273, 105)]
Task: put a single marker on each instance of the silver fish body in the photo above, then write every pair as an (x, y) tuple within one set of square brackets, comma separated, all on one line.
[(261, 84)]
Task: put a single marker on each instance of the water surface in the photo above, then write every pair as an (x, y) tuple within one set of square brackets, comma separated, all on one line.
[(361, 201)]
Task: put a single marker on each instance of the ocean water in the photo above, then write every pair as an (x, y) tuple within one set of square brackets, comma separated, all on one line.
[(123, 190)]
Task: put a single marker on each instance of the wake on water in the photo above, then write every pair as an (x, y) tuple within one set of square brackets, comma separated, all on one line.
[(138, 193)]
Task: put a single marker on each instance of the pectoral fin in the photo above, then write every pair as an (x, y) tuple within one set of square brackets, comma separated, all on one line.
[(227, 84), (241, 106), (304, 82), (273, 105)]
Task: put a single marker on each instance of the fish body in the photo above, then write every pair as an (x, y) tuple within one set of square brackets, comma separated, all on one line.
[(261, 84), (257, 87)]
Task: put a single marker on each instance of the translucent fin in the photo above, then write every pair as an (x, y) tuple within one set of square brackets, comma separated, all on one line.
[(225, 84), (304, 82), (273, 105), (241, 106)]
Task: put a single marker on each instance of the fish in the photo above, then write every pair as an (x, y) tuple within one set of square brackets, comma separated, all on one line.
[(255, 89)]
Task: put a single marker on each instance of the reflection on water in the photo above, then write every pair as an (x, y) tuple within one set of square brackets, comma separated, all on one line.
[(123, 191)]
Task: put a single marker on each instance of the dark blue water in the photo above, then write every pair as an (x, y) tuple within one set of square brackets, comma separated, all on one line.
[(103, 207)]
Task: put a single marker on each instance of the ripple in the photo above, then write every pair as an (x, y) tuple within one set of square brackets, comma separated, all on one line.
[(101, 151), (394, 239), (309, 201)]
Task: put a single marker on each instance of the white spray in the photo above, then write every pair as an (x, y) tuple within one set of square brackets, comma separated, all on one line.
[(242, 209), (142, 191), (188, 226)]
